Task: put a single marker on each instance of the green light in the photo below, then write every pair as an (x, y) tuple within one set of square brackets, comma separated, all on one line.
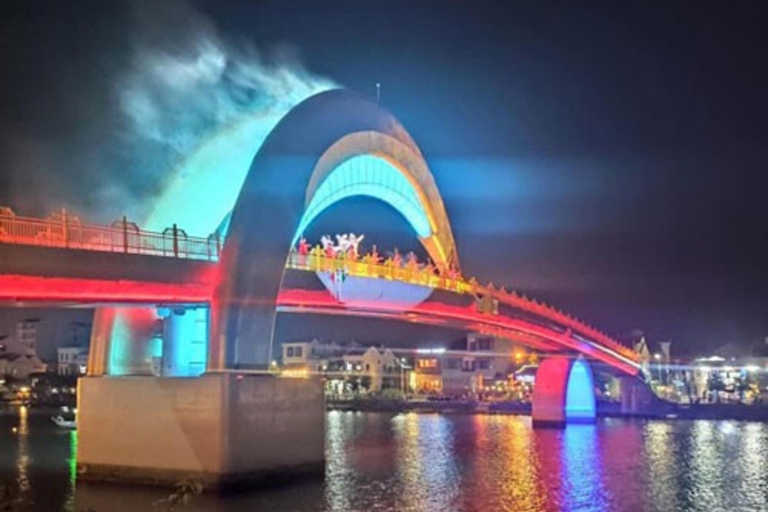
[(72, 457)]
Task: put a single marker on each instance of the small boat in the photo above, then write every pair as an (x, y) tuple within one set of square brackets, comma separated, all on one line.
[(62, 423)]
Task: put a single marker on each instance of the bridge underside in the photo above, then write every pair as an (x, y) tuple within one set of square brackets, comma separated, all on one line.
[(444, 310)]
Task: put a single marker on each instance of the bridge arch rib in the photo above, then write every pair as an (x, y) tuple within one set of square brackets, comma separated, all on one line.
[(294, 173)]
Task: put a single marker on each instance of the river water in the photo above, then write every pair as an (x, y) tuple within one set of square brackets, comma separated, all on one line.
[(430, 462)]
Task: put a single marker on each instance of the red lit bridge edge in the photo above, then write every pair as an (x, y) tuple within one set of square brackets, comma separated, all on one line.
[(65, 231)]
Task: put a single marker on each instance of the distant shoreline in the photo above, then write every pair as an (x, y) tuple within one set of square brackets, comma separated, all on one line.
[(734, 412)]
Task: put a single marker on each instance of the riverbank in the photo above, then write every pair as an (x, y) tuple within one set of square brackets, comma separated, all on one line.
[(669, 410)]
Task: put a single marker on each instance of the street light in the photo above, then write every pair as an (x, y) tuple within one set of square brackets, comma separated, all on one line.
[(403, 365)]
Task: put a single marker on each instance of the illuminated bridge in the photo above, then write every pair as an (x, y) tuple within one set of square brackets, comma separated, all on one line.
[(466, 304), (224, 291)]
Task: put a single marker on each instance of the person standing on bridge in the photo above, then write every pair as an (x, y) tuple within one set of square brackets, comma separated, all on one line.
[(303, 251), (397, 260), (375, 256)]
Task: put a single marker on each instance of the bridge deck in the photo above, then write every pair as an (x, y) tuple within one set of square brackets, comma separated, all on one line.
[(66, 261)]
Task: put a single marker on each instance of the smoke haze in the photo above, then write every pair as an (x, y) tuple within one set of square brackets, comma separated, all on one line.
[(159, 81)]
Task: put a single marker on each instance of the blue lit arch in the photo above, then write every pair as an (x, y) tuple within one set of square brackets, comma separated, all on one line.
[(580, 393), (305, 148), (371, 176), (363, 175), (298, 168)]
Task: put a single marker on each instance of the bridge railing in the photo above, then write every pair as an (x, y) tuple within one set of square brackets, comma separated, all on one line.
[(63, 230), (367, 266), (539, 308), (426, 275)]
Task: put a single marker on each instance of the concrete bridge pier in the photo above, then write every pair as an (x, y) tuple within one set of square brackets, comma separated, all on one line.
[(222, 429), (563, 393), (124, 341), (637, 398)]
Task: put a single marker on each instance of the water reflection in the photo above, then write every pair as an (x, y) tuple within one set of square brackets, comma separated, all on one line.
[(72, 464), (22, 457), (426, 464), (583, 474), (522, 487), (339, 481), (662, 476), (753, 454), (416, 463)]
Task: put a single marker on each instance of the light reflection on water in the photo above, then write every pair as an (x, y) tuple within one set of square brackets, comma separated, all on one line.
[(415, 463), (582, 470), (22, 454)]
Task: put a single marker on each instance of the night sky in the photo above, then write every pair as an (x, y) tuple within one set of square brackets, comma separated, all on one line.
[(609, 158)]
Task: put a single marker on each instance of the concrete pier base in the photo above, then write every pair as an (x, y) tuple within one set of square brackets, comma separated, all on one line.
[(563, 393), (637, 399), (225, 430)]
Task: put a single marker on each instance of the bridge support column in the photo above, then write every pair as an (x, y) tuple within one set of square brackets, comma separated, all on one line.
[(185, 341), (637, 398), (124, 341), (563, 393), (222, 429)]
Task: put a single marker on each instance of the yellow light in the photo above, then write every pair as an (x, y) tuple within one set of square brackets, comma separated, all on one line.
[(299, 373)]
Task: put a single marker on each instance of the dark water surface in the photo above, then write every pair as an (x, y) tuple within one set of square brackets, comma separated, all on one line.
[(410, 462)]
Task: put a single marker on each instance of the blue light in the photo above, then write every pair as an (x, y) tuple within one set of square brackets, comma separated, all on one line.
[(118, 347), (185, 343), (368, 175), (129, 339), (204, 186), (583, 471), (580, 393)]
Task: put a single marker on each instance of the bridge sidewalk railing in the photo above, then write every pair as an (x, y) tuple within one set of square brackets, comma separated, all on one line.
[(317, 260), (63, 230)]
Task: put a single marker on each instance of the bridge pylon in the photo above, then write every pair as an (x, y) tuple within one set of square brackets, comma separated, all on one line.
[(564, 392)]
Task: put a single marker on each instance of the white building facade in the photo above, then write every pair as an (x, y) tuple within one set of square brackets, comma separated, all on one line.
[(72, 361)]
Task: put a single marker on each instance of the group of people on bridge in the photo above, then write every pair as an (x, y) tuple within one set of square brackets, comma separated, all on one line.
[(347, 250), (345, 258)]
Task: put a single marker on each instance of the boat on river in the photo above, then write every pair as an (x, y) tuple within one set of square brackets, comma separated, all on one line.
[(63, 423)]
